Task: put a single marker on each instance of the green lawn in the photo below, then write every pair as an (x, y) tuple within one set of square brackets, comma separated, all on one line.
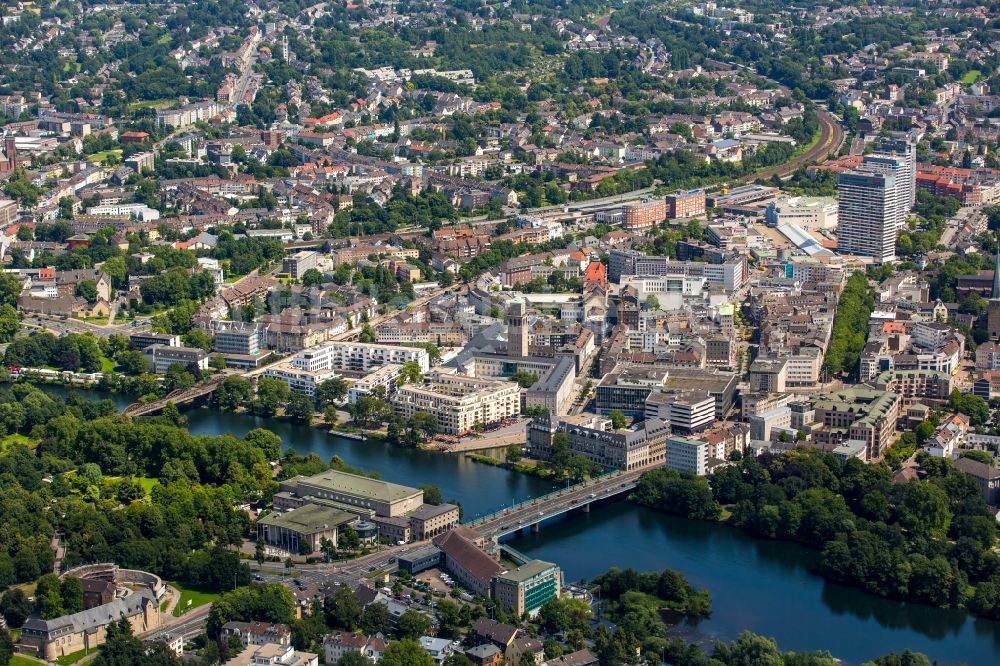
[(72, 657), (146, 482), (195, 596), (17, 439), (970, 76), (99, 157), (152, 103), (21, 660), (107, 365)]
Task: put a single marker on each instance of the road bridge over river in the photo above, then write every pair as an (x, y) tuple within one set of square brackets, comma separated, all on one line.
[(531, 513)]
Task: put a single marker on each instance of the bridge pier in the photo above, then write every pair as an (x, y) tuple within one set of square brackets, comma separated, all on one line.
[(586, 507), (535, 528)]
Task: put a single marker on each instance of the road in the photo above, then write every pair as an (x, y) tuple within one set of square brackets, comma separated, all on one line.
[(968, 222), (532, 512), (61, 326)]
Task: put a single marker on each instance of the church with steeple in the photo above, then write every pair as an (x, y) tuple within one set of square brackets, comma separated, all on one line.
[(993, 309)]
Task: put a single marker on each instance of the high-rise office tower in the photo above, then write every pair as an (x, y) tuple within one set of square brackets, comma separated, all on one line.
[(900, 171), (906, 151), (869, 214)]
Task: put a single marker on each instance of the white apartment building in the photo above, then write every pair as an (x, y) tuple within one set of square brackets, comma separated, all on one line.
[(140, 212), (299, 380), (384, 376), (358, 356), (459, 403)]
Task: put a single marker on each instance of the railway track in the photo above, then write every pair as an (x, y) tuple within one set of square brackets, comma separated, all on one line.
[(831, 137)]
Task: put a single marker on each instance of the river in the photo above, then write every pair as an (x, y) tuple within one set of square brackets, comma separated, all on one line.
[(762, 586)]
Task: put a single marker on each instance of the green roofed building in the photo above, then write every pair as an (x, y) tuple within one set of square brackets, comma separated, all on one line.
[(384, 498), (527, 587), (308, 524), (860, 413)]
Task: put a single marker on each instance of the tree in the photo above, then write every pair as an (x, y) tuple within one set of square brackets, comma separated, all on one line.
[(367, 335), (375, 619), (233, 392), (369, 411), (87, 289), (921, 507), (6, 647), (48, 596), (131, 362), (342, 608), (432, 495), (410, 373), (618, 419), (300, 408), (413, 624), (348, 539), (72, 595), (121, 648), (10, 289), (331, 390), (177, 378), (10, 322), (406, 652), (271, 394), (524, 379), (422, 426), (312, 278), (353, 658), (652, 303), (331, 415), (15, 607)]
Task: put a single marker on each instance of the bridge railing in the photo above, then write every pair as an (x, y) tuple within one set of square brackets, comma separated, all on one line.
[(531, 501)]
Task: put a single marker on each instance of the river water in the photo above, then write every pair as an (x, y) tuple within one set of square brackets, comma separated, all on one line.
[(763, 586)]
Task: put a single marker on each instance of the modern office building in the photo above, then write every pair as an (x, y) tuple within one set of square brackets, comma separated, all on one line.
[(300, 381), (685, 411), (527, 587), (732, 275), (240, 338), (685, 204), (161, 357), (144, 339), (869, 215), (643, 215), (687, 455), (298, 263)]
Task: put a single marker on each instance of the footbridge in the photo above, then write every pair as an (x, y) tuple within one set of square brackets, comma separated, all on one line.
[(530, 513)]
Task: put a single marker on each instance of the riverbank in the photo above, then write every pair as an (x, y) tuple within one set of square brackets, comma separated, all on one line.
[(766, 587)]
